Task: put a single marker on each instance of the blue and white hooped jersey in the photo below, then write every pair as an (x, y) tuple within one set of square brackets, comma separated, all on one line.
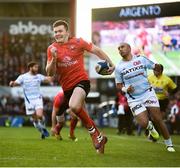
[(31, 85), (134, 72)]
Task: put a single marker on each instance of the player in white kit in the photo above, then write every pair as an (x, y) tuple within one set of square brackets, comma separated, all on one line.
[(131, 78), (30, 83)]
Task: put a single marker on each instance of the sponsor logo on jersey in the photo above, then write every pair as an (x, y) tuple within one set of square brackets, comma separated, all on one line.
[(138, 106), (72, 47), (132, 76), (136, 63), (150, 102), (158, 90), (67, 61), (31, 109), (132, 69)]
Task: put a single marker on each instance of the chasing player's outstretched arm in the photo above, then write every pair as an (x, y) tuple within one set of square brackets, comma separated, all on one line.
[(13, 83), (48, 79)]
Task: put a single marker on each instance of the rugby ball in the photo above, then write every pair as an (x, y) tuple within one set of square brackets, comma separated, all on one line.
[(102, 68)]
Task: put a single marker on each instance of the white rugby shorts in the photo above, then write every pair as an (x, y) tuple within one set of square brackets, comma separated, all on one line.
[(149, 99), (32, 105)]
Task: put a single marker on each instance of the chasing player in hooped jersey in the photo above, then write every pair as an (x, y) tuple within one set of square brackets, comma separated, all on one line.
[(60, 120), (131, 78)]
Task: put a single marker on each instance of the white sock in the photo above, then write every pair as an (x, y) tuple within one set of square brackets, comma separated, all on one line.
[(150, 126), (41, 124), (99, 138), (168, 142), (36, 125), (92, 130)]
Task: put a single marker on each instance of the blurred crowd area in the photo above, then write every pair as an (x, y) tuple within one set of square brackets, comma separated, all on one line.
[(15, 105), (105, 115), (12, 107), (17, 50), (173, 114)]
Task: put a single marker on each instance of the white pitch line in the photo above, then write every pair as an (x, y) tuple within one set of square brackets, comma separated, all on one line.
[(21, 158)]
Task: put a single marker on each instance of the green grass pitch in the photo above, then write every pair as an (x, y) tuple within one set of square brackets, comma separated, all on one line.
[(22, 147)]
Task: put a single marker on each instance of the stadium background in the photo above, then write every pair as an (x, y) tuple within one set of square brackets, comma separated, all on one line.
[(25, 33)]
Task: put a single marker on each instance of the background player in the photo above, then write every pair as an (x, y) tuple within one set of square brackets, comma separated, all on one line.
[(65, 58), (31, 82), (131, 78), (56, 128), (163, 85)]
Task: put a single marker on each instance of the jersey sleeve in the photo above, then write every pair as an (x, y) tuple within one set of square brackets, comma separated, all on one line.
[(118, 77), (85, 45), (150, 76), (19, 80), (58, 99), (171, 84), (41, 77), (148, 63)]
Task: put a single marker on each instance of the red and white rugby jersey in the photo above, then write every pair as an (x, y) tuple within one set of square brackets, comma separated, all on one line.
[(70, 61)]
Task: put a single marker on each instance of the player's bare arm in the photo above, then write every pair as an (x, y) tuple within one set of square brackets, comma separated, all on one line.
[(121, 87), (13, 83), (51, 65), (49, 79), (102, 55)]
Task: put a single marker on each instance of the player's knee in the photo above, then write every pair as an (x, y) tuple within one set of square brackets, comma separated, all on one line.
[(39, 117), (73, 115), (74, 109)]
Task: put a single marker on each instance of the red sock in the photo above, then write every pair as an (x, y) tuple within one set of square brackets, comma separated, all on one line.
[(87, 121), (73, 123), (61, 125), (58, 127)]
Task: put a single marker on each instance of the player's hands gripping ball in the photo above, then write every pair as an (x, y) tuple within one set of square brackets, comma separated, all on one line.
[(102, 68)]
